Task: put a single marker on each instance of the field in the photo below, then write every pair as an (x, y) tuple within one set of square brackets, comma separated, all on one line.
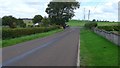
[(97, 51), (28, 22), (107, 23), (76, 23), (81, 23)]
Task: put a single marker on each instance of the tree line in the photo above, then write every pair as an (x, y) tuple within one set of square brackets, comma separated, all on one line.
[(58, 13), (13, 22)]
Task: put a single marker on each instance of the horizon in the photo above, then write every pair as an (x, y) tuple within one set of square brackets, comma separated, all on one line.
[(99, 10)]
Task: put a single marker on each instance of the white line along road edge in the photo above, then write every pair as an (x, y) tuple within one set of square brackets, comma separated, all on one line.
[(78, 55)]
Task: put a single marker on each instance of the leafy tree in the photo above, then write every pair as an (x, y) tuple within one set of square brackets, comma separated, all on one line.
[(45, 21), (9, 21), (93, 20), (20, 23), (61, 12), (37, 19)]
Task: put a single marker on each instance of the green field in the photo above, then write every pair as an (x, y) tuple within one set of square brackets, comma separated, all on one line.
[(76, 23), (81, 23), (28, 22), (107, 23), (14, 41), (96, 50)]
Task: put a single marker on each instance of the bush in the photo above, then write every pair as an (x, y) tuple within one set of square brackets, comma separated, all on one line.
[(90, 25), (18, 32)]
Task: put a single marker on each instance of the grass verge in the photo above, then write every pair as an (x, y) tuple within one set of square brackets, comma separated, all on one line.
[(14, 41), (96, 50)]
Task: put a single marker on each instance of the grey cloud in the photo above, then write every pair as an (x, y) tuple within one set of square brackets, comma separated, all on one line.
[(33, 3)]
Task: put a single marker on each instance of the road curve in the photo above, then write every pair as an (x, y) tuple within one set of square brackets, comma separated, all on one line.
[(57, 50)]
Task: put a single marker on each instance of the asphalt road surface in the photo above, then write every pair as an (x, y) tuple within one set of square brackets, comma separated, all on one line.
[(57, 50)]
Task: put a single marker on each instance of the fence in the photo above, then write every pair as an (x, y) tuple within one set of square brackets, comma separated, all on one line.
[(115, 38)]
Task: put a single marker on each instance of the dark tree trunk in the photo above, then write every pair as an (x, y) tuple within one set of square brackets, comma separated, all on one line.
[(64, 26)]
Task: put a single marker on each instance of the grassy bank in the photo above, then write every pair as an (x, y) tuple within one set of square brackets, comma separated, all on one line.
[(14, 41), (97, 51)]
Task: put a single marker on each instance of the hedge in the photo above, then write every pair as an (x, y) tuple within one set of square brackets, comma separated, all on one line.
[(18, 32), (90, 25), (110, 28)]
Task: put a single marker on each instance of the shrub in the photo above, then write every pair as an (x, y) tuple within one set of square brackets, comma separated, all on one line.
[(18, 32), (90, 25)]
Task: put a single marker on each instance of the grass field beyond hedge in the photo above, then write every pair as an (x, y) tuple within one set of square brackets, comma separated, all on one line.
[(14, 41), (97, 51), (76, 23), (81, 23)]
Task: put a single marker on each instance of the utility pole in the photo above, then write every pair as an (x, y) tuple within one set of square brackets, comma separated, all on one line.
[(88, 15), (84, 13), (119, 11)]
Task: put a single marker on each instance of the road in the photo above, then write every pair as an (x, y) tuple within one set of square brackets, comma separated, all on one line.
[(56, 50)]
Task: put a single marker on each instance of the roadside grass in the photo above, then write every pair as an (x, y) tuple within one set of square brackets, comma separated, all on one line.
[(14, 41), (96, 50)]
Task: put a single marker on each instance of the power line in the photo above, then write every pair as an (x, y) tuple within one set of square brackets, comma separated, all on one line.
[(99, 3)]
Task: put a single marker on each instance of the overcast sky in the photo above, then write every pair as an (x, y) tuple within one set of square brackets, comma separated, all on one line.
[(101, 10)]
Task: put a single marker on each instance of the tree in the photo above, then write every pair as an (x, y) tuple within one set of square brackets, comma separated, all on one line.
[(9, 21), (61, 12), (45, 21), (94, 20), (37, 19), (20, 23)]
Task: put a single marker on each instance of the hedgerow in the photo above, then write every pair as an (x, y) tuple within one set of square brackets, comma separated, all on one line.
[(18, 32), (90, 25), (110, 28)]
